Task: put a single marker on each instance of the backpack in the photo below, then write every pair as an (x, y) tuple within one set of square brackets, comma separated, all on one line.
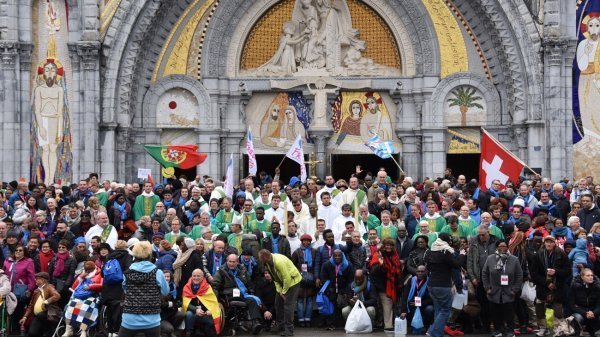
[(113, 274)]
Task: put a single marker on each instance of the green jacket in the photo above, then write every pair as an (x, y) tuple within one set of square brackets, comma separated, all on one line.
[(285, 274)]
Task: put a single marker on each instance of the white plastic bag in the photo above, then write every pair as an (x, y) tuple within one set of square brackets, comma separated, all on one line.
[(528, 292), (459, 300), (358, 320)]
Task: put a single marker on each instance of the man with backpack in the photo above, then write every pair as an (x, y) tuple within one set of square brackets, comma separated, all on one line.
[(117, 261)]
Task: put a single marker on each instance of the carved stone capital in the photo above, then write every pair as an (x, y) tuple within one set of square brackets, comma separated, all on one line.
[(9, 50), (520, 134), (25, 53), (554, 49), (123, 138), (88, 53)]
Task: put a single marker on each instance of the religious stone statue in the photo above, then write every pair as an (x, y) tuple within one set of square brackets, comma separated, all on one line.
[(320, 41)]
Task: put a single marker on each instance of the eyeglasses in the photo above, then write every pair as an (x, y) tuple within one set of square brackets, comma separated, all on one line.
[(61, 247), (19, 250)]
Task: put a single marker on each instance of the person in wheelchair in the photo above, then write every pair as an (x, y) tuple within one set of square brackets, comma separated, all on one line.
[(232, 283), (86, 287), (200, 306)]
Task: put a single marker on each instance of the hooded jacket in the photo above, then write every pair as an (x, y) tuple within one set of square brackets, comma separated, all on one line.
[(585, 297)]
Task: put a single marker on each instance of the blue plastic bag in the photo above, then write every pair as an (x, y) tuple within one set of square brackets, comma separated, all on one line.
[(417, 320), (323, 303)]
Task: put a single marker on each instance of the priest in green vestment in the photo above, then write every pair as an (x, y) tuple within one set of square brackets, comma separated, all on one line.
[(145, 203)]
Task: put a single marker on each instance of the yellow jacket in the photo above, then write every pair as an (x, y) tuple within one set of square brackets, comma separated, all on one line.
[(284, 273)]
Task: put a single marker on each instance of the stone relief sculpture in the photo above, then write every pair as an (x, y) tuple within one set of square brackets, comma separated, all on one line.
[(320, 40)]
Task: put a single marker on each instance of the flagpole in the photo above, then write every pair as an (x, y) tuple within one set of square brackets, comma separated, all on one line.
[(509, 151), (281, 162), (394, 159)]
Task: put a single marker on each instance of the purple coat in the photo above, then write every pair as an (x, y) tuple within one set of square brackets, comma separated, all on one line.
[(24, 272)]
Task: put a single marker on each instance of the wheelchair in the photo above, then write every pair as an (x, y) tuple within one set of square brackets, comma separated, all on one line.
[(98, 329), (235, 316)]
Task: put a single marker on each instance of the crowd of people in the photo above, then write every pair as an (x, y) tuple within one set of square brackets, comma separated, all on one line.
[(173, 258)]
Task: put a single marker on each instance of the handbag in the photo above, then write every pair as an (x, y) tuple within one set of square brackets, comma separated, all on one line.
[(60, 285), (54, 313), (308, 280), (19, 289)]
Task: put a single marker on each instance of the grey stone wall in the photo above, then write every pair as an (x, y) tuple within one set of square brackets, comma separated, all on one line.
[(112, 116)]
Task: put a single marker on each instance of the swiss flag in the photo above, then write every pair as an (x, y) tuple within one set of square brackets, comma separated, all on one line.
[(497, 162)]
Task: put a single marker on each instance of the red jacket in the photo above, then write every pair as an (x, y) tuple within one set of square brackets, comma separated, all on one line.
[(94, 279)]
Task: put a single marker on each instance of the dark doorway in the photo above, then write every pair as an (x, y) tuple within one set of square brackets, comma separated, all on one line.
[(344, 165), (268, 163), (190, 174), (466, 164)]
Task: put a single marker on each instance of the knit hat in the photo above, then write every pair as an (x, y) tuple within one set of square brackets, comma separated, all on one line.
[(158, 235), (293, 181), (519, 202), (306, 237), (132, 242), (104, 245), (86, 212), (79, 240), (189, 243)]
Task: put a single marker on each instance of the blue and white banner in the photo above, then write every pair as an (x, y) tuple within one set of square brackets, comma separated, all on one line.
[(383, 150)]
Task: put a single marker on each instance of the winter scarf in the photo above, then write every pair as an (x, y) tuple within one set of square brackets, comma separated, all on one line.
[(60, 263), (501, 260), (392, 266), (440, 245), (45, 260)]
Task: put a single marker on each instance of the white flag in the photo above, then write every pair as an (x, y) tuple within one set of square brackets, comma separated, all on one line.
[(251, 156), (229, 178), (296, 153)]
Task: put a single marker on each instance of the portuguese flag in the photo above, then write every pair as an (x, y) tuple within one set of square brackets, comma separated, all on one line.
[(178, 156)]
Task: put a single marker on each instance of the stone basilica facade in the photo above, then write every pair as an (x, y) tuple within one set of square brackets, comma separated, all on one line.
[(85, 84)]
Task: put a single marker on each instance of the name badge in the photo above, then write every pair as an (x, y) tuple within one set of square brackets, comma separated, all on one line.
[(236, 292), (503, 280), (417, 301), (304, 268)]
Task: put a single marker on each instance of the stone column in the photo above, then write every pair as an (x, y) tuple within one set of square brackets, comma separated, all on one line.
[(433, 153), (25, 113), (9, 117), (108, 151), (232, 146), (407, 126), (321, 137), (89, 68), (123, 143), (208, 142), (556, 114)]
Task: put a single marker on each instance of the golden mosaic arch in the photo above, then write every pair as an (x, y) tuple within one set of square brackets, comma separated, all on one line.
[(263, 40)]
